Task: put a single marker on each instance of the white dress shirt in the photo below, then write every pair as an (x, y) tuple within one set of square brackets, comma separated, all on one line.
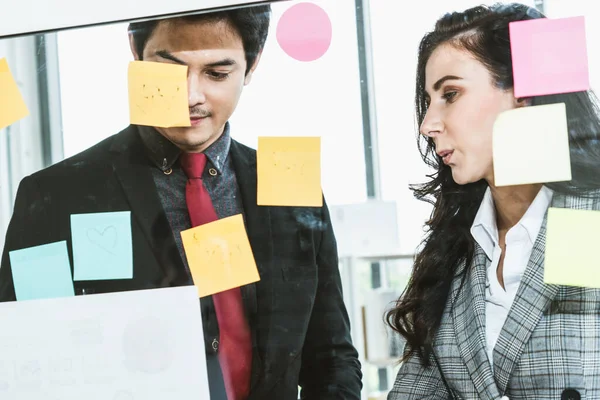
[(519, 245)]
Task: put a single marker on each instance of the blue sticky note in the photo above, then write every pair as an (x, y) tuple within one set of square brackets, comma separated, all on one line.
[(102, 246), (42, 272)]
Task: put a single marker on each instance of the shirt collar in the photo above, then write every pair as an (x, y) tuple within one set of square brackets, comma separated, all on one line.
[(164, 154), (485, 231), (534, 216)]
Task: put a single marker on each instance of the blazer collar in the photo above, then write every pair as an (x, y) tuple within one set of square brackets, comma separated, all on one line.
[(258, 227), (132, 168), (468, 316)]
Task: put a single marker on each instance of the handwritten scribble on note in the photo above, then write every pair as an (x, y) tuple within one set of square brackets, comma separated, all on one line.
[(289, 171), (291, 163), (148, 345), (153, 97), (102, 246), (219, 255), (106, 239), (30, 374), (158, 94), (123, 395)]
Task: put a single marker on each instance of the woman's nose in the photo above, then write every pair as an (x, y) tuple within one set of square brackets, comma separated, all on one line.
[(431, 127)]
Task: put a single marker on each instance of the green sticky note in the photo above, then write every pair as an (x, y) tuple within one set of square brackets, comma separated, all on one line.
[(102, 246), (571, 248), (42, 272)]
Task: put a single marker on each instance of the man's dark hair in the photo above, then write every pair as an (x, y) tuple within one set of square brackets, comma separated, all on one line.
[(251, 23)]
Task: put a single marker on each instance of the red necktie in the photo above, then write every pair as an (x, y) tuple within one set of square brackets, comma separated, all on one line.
[(235, 347)]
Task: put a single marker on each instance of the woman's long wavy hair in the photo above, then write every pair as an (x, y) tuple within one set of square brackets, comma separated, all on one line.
[(482, 31)]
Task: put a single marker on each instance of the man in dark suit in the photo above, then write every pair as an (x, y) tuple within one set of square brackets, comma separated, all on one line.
[(300, 334)]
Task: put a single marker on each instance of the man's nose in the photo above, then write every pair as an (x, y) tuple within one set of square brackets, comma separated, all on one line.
[(196, 93)]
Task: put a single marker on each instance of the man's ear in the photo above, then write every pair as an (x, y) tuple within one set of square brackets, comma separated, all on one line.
[(136, 56), (248, 76)]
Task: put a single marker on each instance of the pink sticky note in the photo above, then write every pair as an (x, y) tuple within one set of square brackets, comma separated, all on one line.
[(549, 56), (304, 32)]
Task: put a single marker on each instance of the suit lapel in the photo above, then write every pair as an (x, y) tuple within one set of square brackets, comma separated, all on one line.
[(532, 299), (468, 315), (133, 172), (258, 228)]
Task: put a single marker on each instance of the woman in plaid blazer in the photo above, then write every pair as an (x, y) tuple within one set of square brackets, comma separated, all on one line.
[(478, 320)]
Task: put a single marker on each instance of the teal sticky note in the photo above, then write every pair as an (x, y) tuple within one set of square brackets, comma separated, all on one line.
[(102, 246), (42, 272)]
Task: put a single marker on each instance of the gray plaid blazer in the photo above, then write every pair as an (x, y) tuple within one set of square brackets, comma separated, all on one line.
[(549, 346)]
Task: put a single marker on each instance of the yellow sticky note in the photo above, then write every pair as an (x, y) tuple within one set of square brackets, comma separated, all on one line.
[(531, 145), (289, 171), (12, 105), (158, 94), (572, 248), (219, 255)]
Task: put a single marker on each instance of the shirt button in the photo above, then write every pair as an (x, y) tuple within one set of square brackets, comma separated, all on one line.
[(168, 171), (215, 345), (212, 172)]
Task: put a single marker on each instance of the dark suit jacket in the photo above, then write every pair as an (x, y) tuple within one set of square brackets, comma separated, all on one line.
[(300, 327)]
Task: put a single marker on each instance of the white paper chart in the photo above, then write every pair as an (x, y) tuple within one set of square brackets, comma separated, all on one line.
[(140, 345)]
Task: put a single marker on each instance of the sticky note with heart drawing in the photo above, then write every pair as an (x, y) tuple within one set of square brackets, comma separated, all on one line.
[(219, 255), (102, 246)]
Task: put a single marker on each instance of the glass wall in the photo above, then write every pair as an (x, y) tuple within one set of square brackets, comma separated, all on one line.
[(325, 98)]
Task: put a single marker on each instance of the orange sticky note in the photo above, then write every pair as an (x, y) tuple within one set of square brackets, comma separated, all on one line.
[(12, 105), (219, 255), (289, 171), (158, 94)]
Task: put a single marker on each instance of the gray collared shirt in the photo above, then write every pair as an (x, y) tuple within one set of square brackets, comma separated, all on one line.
[(170, 180)]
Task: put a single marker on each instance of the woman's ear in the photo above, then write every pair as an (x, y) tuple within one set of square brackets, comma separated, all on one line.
[(522, 102)]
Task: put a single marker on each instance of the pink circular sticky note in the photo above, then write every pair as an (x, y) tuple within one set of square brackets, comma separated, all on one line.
[(304, 32)]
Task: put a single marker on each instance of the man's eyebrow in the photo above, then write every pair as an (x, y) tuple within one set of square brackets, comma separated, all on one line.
[(165, 54), (440, 81), (226, 62)]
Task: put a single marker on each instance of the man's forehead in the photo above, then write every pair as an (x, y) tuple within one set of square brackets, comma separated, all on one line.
[(190, 35)]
